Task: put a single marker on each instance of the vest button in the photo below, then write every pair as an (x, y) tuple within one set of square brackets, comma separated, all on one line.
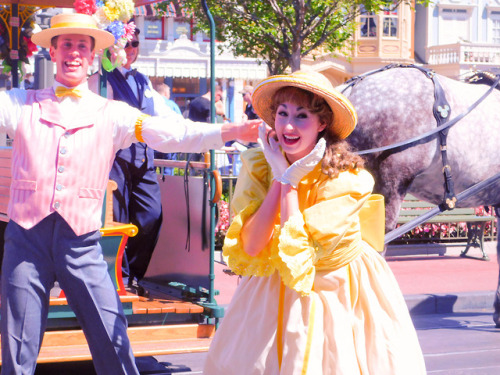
[(60, 169), (57, 205), (63, 150), (59, 187)]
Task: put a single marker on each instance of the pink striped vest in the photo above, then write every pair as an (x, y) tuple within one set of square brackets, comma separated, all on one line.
[(61, 164)]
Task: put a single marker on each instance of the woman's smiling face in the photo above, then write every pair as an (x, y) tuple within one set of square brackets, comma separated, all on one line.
[(297, 130)]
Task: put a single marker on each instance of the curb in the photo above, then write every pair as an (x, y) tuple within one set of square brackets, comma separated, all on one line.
[(423, 304), (420, 304)]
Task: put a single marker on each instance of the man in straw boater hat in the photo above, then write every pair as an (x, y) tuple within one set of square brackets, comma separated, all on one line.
[(65, 139)]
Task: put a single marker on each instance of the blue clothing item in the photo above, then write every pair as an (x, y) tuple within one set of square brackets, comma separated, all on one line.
[(173, 105), (137, 199), (34, 258)]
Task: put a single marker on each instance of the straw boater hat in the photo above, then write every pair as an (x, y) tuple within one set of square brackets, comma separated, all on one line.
[(74, 23), (344, 115)]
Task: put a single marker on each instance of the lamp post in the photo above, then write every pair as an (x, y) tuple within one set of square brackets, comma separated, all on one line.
[(44, 67)]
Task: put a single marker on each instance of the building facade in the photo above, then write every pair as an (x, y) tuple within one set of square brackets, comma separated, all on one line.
[(458, 37), (381, 39), (171, 52)]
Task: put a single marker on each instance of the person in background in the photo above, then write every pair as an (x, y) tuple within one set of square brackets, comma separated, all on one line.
[(164, 90), (199, 111), (137, 199), (235, 148), (199, 108), (66, 138), (316, 297), (247, 98)]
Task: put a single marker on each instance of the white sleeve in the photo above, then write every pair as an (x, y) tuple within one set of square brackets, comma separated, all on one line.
[(11, 105), (168, 133), (174, 133)]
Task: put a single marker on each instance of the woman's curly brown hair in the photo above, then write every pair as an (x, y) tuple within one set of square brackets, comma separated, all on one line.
[(338, 155)]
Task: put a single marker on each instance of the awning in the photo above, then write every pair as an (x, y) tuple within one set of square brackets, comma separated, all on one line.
[(145, 10), (246, 69), (150, 10)]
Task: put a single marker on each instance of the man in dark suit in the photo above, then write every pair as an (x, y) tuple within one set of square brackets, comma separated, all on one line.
[(137, 199)]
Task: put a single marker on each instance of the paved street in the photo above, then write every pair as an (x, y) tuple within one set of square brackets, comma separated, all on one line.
[(460, 343), (463, 343)]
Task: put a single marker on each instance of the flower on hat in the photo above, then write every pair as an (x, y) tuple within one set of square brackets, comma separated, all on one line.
[(85, 7), (112, 16)]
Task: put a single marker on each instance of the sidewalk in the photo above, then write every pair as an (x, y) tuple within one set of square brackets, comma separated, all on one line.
[(430, 283), (442, 284)]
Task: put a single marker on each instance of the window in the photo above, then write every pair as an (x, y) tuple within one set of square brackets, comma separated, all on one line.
[(390, 22), (182, 27), (153, 28), (454, 25), (495, 27), (368, 26), (185, 86)]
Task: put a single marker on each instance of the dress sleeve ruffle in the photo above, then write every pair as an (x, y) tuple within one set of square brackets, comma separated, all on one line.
[(330, 224), (296, 256), (237, 259), (253, 181)]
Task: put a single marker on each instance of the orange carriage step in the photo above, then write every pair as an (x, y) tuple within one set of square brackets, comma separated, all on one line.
[(153, 305), (69, 346), (59, 301)]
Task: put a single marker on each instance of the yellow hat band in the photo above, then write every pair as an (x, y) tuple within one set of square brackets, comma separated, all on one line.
[(74, 24)]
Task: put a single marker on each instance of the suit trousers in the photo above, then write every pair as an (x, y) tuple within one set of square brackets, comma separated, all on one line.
[(34, 259), (138, 201)]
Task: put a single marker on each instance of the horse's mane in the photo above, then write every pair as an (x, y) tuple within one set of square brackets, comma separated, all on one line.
[(482, 78)]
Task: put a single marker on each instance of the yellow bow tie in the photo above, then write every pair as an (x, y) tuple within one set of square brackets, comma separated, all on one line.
[(62, 91)]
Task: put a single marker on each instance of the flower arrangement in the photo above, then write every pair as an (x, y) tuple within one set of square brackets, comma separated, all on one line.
[(112, 16), (224, 220), (436, 232), (26, 46)]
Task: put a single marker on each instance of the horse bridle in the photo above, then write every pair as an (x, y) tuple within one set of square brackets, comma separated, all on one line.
[(441, 111)]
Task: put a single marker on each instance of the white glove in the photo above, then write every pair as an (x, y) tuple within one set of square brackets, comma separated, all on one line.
[(301, 167), (273, 154)]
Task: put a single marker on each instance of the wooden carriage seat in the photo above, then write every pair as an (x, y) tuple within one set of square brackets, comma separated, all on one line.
[(114, 238)]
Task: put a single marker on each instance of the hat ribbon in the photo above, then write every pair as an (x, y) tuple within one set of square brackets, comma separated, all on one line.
[(74, 25), (62, 91)]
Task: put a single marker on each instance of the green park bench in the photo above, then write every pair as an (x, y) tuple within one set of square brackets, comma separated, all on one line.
[(411, 208)]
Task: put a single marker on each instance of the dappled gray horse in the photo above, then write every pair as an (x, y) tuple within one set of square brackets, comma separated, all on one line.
[(397, 104)]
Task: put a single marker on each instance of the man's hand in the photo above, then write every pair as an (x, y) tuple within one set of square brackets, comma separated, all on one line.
[(247, 131)]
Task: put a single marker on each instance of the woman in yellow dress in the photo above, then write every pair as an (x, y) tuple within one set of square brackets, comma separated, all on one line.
[(316, 297)]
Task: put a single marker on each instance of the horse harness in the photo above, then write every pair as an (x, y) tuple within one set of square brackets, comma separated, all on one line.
[(441, 111)]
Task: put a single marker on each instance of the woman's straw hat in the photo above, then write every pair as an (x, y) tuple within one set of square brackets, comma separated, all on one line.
[(344, 115), (74, 23)]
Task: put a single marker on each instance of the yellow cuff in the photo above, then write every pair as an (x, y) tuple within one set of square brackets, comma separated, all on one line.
[(138, 127)]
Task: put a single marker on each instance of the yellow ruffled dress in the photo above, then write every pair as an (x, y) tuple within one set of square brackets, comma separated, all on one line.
[(318, 299)]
